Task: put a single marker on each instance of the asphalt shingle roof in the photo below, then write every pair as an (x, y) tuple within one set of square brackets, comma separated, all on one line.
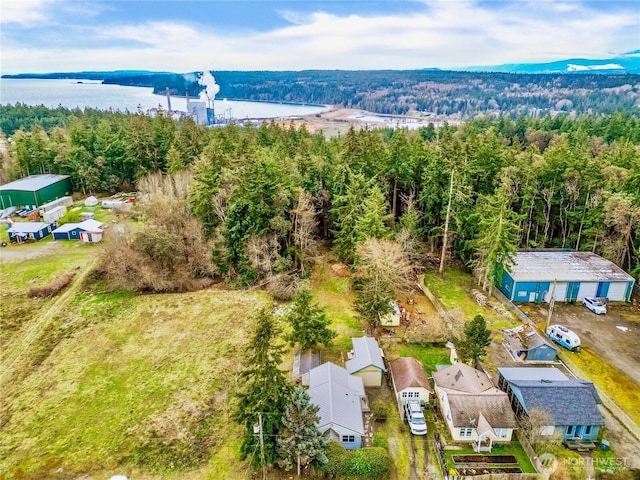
[(408, 372), (568, 402)]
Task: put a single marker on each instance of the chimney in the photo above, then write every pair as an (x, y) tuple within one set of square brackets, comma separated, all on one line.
[(187, 94), (168, 100)]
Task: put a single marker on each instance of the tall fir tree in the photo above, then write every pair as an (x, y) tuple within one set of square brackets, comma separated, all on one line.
[(300, 442), (476, 339), (265, 392), (309, 322)]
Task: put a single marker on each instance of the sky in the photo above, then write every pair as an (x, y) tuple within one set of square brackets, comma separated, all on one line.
[(38, 36)]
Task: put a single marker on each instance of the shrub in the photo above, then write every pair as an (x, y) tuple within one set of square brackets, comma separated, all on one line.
[(72, 216), (379, 409), (51, 289), (369, 462), (380, 440), (338, 460)]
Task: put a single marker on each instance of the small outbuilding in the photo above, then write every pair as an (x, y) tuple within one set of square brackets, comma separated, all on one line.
[(576, 275), (525, 344), (35, 190), (410, 382), (365, 360), (21, 232), (303, 363), (75, 231)]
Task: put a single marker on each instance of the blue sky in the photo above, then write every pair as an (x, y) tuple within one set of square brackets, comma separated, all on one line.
[(71, 35)]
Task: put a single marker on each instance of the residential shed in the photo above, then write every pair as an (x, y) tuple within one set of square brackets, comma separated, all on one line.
[(366, 361), (524, 343), (576, 275), (74, 231), (35, 190), (24, 231), (409, 381)]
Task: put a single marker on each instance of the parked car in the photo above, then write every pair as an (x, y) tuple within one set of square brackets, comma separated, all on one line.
[(414, 415), (594, 305)]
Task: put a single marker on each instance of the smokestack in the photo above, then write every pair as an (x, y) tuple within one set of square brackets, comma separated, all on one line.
[(187, 93), (168, 100)]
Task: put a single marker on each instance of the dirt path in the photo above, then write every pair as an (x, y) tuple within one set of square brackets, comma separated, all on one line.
[(11, 358), (13, 253)]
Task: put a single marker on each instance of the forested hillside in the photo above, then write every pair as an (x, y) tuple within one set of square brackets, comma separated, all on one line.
[(459, 95), (265, 196)]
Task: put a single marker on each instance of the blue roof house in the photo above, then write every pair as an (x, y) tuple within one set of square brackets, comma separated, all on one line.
[(21, 232), (341, 400), (572, 405)]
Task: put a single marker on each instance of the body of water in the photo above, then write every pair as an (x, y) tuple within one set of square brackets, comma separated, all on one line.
[(92, 94)]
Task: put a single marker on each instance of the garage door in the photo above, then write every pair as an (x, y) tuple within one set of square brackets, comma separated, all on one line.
[(561, 292), (587, 289), (617, 291)]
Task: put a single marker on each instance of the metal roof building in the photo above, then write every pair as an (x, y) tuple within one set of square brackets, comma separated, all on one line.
[(34, 190), (576, 275)]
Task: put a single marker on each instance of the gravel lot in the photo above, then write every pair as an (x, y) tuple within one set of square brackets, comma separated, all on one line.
[(600, 334)]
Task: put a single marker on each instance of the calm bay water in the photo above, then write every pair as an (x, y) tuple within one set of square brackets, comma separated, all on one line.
[(71, 94)]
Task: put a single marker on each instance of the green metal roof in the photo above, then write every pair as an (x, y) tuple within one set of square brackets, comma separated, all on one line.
[(33, 183)]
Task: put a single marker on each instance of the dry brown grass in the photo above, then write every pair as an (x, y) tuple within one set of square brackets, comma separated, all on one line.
[(51, 289)]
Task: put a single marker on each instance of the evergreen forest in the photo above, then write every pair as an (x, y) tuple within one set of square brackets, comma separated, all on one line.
[(263, 200)]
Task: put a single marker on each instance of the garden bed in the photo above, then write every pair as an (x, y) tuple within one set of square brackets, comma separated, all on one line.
[(486, 471), (484, 459)]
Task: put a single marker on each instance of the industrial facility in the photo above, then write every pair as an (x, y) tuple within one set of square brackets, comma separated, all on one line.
[(567, 276), (34, 191)]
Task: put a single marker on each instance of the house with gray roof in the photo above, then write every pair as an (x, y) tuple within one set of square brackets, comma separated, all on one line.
[(572, 405), (341, 399), (365, 360), (576, 275), (74, 231), (474, 410)]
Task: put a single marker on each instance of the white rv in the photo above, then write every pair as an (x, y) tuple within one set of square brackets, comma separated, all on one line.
[(565, 337)]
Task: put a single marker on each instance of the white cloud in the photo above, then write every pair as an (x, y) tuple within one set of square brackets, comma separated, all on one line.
[(24, 12), (446, 34)]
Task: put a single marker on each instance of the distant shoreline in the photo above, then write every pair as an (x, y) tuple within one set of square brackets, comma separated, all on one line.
[(276, 102)]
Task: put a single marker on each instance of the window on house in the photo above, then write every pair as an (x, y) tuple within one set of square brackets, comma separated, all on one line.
[(587, 430), (569, 430), (548, 430), (410, 395), (501, 432), (348, 438), (465, 432)]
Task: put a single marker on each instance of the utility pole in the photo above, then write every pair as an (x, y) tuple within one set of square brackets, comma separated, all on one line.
[(552, 302), (264, 466)]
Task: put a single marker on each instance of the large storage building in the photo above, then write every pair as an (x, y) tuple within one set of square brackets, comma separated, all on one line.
[(576, 275), (34, 190)]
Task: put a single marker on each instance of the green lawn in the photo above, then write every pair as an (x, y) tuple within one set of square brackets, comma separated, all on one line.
[(514, 448), (429, 355)]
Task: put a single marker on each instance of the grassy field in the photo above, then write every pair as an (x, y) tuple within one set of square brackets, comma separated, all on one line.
[(135, 384)]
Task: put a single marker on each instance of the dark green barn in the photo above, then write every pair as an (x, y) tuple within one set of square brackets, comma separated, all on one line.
[(34, 190)]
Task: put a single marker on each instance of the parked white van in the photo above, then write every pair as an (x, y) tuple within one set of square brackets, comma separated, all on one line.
[(414, 415)]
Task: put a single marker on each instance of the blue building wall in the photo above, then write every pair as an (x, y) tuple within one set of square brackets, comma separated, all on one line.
[(578, 431), (526, 291), (506, 285), (353, 445), (39, 235), (70, 235)]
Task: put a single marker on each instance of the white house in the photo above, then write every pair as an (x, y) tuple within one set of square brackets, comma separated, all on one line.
[(474, 410), (409, 381)]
